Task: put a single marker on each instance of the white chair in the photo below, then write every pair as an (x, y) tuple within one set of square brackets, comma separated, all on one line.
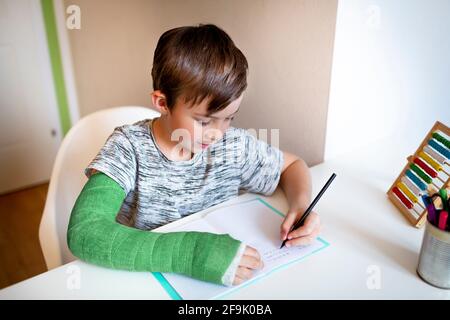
[(78, 148)]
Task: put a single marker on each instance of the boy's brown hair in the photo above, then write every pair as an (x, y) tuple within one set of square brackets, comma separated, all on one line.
[(198, 62)]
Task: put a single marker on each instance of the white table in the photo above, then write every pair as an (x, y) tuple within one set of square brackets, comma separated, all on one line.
[(373, 252)]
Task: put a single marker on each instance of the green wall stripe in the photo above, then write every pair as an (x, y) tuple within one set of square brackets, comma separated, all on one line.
[(56, 64)]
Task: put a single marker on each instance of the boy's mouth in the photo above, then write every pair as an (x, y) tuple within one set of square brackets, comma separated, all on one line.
[(204, 145)]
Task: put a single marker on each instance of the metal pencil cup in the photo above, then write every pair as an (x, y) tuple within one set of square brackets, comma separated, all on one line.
[(434, 259)]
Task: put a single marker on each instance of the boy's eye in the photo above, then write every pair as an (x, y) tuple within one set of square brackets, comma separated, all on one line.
[(204, 123)]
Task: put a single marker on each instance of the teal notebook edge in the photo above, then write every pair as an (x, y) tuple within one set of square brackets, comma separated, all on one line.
[(176, 296)]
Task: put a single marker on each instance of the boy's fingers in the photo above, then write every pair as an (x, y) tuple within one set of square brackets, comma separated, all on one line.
[(237, 281), (303, 231), (244, 273), (252, 252), (311, 224), (303, 241), (287, 223), (250, 262)]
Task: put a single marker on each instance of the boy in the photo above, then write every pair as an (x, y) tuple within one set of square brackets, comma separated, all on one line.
[(156, 171)]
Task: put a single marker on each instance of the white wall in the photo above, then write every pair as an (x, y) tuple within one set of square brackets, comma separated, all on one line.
[(390, 74), (288, 44)]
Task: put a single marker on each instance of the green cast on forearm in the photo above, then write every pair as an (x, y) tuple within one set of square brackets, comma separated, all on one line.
[(94, 236)]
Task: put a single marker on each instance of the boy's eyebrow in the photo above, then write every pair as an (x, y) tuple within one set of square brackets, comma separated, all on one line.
[(209, 116)]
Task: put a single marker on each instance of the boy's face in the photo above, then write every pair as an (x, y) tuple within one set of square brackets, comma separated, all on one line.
[(192, 127)]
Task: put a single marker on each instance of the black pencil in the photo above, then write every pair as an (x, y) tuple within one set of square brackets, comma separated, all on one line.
[(301, 221)]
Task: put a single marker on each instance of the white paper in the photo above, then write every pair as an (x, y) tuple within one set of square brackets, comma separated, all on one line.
[(252, 222)]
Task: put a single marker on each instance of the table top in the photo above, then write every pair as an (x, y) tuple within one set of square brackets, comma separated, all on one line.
[(373, 252)]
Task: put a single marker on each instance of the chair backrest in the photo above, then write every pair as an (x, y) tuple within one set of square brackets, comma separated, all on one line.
[(78, 148)]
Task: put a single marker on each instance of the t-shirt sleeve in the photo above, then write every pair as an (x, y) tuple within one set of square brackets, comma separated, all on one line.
[(261, 165), (117, 160)]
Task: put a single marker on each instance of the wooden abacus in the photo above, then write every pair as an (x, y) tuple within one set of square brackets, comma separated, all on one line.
[(427, 171)]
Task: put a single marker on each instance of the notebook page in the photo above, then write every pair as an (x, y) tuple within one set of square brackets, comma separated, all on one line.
[(258, 226), (252, 222)]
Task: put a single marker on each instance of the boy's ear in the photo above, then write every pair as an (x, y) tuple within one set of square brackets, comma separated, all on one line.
[(160, 102)]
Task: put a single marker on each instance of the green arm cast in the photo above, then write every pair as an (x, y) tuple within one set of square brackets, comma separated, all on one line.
[(94, 236)]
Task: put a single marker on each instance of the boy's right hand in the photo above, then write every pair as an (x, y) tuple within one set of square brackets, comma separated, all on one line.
[(250, 261)]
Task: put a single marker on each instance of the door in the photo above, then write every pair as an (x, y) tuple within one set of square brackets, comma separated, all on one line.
[(29, 124)]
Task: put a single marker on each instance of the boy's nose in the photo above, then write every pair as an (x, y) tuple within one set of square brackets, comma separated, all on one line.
[(212, 135)]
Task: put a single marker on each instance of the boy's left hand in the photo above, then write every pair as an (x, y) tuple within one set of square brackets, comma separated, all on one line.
[(304, 235)]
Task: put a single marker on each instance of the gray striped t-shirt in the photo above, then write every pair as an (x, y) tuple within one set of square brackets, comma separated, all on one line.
[(159, 190)]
